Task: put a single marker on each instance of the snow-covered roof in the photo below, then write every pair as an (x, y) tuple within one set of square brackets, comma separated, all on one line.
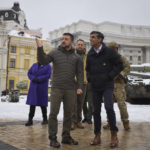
[(137, 80), (18, 34), (142, 65), (141, 73), (7, 9)]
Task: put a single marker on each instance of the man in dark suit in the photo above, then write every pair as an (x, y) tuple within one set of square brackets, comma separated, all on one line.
[(103, 65)]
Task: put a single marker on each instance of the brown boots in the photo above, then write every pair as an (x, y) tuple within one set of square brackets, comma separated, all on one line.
[(80, 126), (77, 125), (114, 139), (73, 126), (126, 125), (106, 126), (96, 140)]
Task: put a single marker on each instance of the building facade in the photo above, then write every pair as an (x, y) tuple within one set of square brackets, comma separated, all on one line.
[(22, 53), (17, 47), (133, 40)]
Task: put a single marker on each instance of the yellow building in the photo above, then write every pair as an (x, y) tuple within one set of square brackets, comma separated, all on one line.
[(22, 53)]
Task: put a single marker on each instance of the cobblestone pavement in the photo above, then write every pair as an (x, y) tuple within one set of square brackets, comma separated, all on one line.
[(15, 136)]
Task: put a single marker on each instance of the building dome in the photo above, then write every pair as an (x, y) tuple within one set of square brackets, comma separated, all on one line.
[(16, 6)]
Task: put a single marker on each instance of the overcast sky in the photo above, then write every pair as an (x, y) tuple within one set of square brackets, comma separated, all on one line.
[(52, 14)]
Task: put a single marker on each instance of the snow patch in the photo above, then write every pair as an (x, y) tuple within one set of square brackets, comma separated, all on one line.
[(19, 111)]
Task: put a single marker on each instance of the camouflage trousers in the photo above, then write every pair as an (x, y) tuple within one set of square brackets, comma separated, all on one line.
[(120, 96)]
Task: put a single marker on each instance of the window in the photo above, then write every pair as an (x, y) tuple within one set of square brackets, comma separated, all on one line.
[(6, 14), (130, 57), (26, 64), (139, 58), (27, 51), (11, 84), (12, 63), (13, 49)]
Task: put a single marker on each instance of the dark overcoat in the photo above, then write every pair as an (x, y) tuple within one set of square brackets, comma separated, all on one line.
[(103, 67)]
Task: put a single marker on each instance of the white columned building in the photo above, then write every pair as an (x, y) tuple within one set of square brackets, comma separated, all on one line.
[(133, 40)]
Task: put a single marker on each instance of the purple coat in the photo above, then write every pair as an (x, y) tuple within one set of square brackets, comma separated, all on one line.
[(38, 92)]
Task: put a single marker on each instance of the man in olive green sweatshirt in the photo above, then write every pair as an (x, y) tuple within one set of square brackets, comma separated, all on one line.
[(66, 65)]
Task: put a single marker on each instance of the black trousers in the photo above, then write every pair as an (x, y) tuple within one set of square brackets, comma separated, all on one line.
[(32, 112), (108, 102)]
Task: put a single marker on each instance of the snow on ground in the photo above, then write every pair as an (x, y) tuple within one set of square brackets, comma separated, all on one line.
[(19, 111)]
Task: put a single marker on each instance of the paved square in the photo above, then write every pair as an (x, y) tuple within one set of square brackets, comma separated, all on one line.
[(14, 135)]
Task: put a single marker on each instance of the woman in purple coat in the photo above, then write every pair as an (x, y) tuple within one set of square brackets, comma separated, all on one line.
[(38, 90)]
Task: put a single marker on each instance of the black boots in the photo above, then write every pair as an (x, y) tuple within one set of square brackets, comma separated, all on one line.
[(45, 121), (44, 114), (31, 115), (84, 120), (29, 123), (69, 140), (32, 112), (54, 143)]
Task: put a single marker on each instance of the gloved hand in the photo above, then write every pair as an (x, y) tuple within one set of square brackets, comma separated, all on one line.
[(123, 78), (35, 80)]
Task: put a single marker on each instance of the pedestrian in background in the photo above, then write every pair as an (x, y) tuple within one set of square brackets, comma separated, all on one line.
[(77, 110), (38, 91), (119, 90)]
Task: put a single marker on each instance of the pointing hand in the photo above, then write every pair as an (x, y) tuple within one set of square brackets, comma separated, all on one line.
[(38, 43)]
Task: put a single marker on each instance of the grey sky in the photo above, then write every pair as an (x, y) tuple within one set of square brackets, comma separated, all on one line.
[(52, 14)]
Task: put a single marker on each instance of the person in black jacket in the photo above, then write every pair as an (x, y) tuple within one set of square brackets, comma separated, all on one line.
[(103, 65)]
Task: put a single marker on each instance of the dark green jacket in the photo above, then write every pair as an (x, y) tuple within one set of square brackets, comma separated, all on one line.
[(66, 65)]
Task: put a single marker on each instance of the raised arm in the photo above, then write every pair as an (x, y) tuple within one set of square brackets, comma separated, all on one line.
[(42, 58)]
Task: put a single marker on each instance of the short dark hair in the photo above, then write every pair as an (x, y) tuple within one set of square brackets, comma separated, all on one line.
[(99, 34), (80, 40), (71, 35)]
